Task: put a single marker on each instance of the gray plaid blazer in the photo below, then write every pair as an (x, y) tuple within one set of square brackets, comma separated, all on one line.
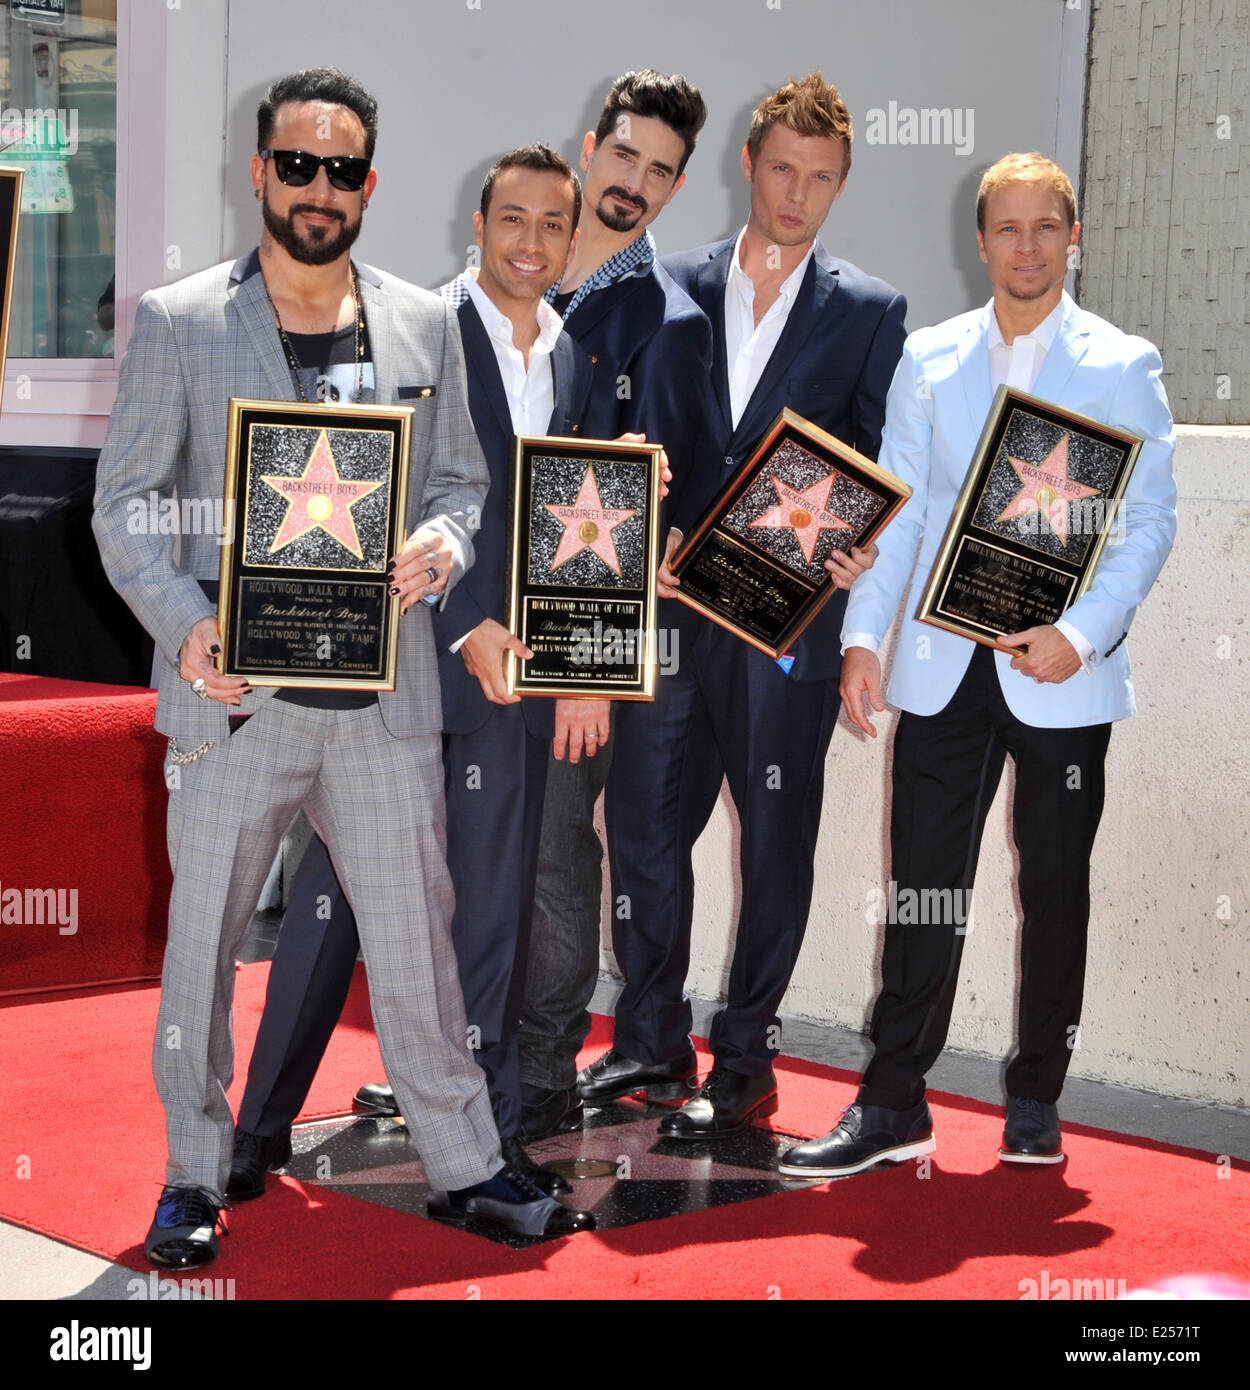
[(211, 336)]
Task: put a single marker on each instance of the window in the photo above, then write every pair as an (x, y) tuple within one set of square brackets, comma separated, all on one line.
[(58, 122)]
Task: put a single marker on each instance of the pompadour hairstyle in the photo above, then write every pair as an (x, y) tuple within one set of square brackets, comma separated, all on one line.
[(317, 84), (659, 96)]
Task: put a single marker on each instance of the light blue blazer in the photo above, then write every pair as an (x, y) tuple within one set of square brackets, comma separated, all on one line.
[(938, 403)]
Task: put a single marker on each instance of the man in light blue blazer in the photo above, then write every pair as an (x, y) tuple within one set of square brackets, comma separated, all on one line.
[(965, 706)]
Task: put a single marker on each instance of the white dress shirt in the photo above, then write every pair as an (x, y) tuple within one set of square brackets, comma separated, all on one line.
[(530, 394), (1017, 364), (749, 345)]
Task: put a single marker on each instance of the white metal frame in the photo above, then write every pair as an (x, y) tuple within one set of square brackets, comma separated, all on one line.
[(66, 401)]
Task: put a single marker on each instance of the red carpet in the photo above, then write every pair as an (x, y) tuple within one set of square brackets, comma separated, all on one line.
[(1118, 1209), (84, 874)]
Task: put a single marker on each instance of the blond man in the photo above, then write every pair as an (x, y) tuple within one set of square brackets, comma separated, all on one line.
[(966, 707)]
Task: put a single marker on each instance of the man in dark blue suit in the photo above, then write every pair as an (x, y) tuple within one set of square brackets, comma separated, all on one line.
[(793, 326), (525, 376), (651, 346)]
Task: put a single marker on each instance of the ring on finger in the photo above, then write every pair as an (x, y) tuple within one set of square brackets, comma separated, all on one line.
[(198, 686)]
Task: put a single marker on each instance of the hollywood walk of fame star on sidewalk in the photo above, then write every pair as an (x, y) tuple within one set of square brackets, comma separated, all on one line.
[(804, 513), (1047, 489), (319, 497), (588, 525)]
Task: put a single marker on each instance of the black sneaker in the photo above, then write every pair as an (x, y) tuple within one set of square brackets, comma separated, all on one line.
[(1031, 1134), (509, 1198), (184, 1233), (865, 1135), (549, 1184), (253, 1154)]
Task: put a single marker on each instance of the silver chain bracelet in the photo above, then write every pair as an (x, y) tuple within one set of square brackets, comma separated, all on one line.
[(182, 759)]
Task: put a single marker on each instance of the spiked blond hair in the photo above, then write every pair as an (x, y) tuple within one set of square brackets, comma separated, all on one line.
[(807, 106)]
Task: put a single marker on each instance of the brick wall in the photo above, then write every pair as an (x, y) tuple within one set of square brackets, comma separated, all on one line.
[(1166, 192)]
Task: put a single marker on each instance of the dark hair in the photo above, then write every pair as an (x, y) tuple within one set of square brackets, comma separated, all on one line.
[(540, 157), (317, 84), (670, 99)]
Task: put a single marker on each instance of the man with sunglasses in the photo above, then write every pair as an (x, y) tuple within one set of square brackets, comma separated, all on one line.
[(525, 376), (242, 762)]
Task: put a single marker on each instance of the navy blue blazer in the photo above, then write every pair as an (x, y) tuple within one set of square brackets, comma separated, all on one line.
[(651, 347), (833, 364), (482, 592)]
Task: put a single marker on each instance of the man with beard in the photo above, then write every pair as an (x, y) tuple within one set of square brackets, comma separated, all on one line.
[(366, 768), (793, 326), (652, 351), (525, 377)]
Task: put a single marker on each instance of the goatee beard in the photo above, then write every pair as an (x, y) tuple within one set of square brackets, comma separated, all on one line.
[(613, 218), (321, 251)]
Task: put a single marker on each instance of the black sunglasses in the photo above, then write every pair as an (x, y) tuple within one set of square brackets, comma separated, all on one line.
[(297, 169)]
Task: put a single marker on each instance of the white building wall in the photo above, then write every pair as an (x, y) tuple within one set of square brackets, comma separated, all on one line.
[(1167, 999)]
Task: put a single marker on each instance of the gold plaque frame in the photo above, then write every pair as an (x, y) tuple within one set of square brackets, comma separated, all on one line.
[(320, 616), (583, 601), (766, 589), (999, 574)]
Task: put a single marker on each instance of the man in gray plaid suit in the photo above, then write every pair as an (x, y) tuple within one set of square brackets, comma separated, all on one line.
[(293, 319)]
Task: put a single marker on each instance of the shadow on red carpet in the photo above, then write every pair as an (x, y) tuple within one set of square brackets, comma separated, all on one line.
[(78, 1104)]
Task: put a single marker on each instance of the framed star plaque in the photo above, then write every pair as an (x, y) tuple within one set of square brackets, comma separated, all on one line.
[(317, 500), (755, 562), (583, 552), (1041, 500)]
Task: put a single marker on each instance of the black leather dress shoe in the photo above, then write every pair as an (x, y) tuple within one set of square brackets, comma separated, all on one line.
[(1031, 1134), (613, 1076), (511, 1200), (544, 1113), (552, 1184), (184, 1232), (253, 1153), (723, 1106), (377, 1097), (866, 1135)]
